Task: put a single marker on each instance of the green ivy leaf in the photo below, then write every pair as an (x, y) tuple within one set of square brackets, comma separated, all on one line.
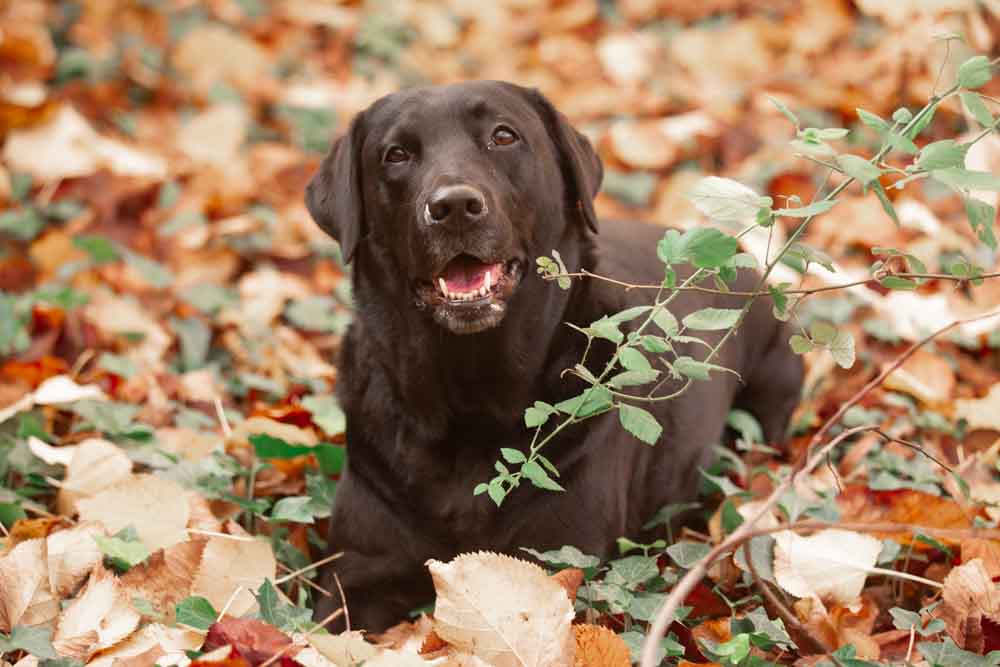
[(696, 370), (123, 553), (874, 121), (294, 508), (639, 423), (633, 360), (708, 248), (33, 639), (687, 554), (196, 612), (537, 475), (886, 203), (568, 556), (858, 168), (982, 219), (942, 155), (538, 414), (712, 319), (974, 105), (948, 654), (974, 72), (726, 200), (590, 402), (964, 179)]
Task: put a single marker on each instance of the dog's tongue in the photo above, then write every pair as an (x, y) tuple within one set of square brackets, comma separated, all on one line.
[(466, 274)]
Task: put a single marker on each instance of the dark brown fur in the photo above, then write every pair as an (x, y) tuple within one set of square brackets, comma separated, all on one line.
[(428, 409)]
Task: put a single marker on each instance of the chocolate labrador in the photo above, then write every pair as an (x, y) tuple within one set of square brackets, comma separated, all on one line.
[(442, 198)]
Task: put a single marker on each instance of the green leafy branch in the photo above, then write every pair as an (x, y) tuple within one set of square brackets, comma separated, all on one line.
[(648, 355)]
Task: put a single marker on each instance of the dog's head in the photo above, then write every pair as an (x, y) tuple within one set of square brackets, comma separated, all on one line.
[(454, 190)]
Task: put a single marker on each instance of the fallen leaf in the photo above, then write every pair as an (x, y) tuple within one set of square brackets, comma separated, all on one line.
[(925, 376), (51, 455), (157, 643), (81, 150), (255, 640), (981, 413), (831, 565), (230, 568), (62, 389), (987, 551), (96, 465), (71, 555), (166, 577), (22, 573), (101, 616), (969, 596), (156, 507), (347, 648), (505, 611), (597, 646)]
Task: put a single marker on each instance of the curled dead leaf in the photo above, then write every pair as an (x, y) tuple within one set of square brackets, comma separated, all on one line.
[(597, 646)]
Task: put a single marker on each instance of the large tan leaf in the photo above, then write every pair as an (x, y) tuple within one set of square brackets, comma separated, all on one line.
[(156, 507), (166, 576), (831, 565), (101, 616), (231, 564), (22, 573), (72, 554), (503, 610), (96, 465)]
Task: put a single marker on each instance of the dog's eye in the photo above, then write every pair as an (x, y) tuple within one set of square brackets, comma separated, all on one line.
[(504, 136), (396, 155)]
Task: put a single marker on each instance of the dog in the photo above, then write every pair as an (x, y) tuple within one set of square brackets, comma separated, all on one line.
[(442, 198)]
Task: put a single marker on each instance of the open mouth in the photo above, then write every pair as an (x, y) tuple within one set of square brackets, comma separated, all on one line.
[(469, 294)]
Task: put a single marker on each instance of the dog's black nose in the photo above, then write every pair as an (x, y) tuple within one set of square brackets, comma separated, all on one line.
[(456, 202)]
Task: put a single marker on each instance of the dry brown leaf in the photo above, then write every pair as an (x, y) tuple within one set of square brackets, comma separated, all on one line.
[(22, 574), (968, 596), (165, 645), (831, 565), (102, 615), (505, 611), (925, 376), (988, 551), (71, 555), (642, 145), (230, 568), (114, 316), (155, 506), (982, 412), (597, 646), (839, 625), (96, 465), (166, 577), (407, 636), (570, 579), (347, 648)]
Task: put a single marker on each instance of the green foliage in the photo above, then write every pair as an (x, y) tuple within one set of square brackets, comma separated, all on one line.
[(196, 612), (35, 640), (123, 550)]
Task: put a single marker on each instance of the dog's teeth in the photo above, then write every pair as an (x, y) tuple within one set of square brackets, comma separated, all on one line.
[(482, 291), (443, 285), (488, 283)]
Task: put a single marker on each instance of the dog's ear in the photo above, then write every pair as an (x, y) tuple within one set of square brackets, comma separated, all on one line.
[(581, 167), (334, 197)]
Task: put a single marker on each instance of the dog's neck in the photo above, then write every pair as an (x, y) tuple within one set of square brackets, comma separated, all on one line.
[(487, 377)]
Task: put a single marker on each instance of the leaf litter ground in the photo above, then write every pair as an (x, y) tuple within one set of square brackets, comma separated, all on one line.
[(169, 315)]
